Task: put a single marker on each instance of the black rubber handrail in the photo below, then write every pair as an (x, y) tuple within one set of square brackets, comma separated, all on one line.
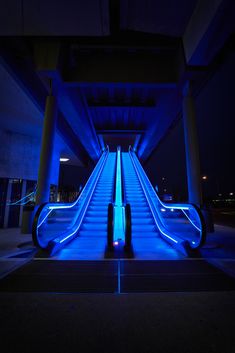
[(114, 184), (128, 228), (35, 224), (127, 206), (122, 183), (110, 224)]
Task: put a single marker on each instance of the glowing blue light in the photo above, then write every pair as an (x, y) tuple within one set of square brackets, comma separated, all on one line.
[(24, 200), (44, 219), (89, 188), (163, 210), (182, 207), (118, 208), (54, 206), (89, 198), (116, 243), (153, 213), (193, 224)]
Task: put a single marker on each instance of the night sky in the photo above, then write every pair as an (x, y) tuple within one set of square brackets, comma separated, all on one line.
[(215, 111)]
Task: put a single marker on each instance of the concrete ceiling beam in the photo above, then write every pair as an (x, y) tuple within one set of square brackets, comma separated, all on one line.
[(210, 26)]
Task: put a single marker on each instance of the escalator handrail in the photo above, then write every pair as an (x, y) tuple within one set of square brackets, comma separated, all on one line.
[(127, 212), (21, 202), (148, 198), (110, 226), (128, 227), (181, 207), (122, 183), (57, 205), (54, 206), (111, 205), (114, 184)]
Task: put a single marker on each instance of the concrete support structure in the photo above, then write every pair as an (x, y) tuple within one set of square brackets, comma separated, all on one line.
[(23, 194), (47, 149), (7, 207), (191, 147)]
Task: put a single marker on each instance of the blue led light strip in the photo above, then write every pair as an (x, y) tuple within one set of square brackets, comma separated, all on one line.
[(193, 224), (20, 202), (118, 207), (88, 189), (87, 200), (182, 207), (56, 206), (151, 208)]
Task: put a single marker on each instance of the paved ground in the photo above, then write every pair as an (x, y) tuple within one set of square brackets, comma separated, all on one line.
[(184, 322), (219, 249), (140, 323), (224, 216)]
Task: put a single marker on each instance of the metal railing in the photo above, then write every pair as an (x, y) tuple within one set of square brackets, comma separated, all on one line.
[(182, 225), (127, 215), (55, 224)]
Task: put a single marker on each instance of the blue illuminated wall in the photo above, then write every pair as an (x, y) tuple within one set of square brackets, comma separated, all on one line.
[(19, 157), (20, 133)]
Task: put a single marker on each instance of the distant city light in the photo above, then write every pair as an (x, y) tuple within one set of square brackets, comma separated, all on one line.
[(204, 177), (116, 243), (64, 159), (163, 178), (231, 193), (164, 190), (220, 194)]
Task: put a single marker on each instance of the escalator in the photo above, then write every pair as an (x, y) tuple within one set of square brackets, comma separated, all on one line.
[(119, 207), (145, 234), (95, 220), (154, 223), (60, 226)]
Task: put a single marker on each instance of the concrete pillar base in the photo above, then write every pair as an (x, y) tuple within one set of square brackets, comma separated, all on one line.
[(27, 219), (207, 215)]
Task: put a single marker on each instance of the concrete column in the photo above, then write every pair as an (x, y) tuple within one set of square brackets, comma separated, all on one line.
[(47, 149), (23, 194), (7, 207), (191, 147)]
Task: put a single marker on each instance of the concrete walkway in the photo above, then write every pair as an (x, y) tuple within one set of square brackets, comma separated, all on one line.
[(183, 322), (13, 243), (17, 248)]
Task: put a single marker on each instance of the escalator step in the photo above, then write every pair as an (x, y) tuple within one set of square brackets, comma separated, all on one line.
[(102, 198), (139, 213), (102, 214), (94, 226), (137, 205), (95, 220), (142, 221), (145, 234), (90, 234), (94, 208), (143, 227)]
